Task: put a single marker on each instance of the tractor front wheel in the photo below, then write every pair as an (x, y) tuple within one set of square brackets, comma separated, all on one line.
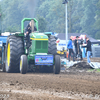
[(23, 64), (57, 65)]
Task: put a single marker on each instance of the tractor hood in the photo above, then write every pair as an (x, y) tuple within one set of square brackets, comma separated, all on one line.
[(39, 43), (38, 36)]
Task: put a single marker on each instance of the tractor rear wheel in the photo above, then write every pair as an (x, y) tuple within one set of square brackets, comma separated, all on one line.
[(14, 49), (3, 64), (23, 64), (57, 65), (52, 48)]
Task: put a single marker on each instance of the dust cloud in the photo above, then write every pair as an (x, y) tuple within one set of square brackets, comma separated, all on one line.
[(32, 4)]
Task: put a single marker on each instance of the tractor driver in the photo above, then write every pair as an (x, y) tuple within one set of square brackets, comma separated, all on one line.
[(28, 30)]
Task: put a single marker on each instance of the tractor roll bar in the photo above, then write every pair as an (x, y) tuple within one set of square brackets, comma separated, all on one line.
[(28, 19)]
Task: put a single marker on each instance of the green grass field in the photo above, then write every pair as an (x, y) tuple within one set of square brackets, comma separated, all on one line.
[(95, 70)]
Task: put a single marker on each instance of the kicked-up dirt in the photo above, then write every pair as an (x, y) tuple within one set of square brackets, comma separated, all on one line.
[(47, 86)]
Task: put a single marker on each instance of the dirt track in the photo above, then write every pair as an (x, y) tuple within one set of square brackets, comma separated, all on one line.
[(36, 86)]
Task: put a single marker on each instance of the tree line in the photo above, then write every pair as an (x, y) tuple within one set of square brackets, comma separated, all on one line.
[(83, 15)]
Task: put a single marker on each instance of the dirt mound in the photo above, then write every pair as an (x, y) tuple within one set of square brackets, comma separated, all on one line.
[(80, 66)]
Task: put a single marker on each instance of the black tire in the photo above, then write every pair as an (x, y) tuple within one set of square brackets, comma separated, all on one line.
[(14, 49), (3, 67), (20, 49), (0, 53), (52, 47), (3, 64), (23, 64), (57, 65)]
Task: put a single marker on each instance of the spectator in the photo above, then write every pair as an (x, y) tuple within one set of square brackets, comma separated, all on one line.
[(77, 44), (88, 49), (70, 48)]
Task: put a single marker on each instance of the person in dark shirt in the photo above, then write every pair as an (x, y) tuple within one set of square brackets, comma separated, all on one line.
[(70, 48), (88, 49), (77, 44), (28, 30)]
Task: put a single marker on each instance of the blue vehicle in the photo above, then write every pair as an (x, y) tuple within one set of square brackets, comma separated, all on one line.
[(3, 40)]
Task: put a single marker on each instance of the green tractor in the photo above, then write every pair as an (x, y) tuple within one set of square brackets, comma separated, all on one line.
[(41, 54)]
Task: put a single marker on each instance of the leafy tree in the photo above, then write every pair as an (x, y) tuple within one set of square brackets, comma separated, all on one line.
[(42, 24), (83, 15), (76, 16), (88, 18), (70, 6), (14, 11), (97, 23), (13, 29), (1, 17), (53, 12)]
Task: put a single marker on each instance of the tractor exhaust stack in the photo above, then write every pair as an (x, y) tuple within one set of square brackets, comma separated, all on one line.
[(32, 26)]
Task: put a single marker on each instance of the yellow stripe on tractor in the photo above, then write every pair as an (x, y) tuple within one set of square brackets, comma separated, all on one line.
[(39, 39)]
